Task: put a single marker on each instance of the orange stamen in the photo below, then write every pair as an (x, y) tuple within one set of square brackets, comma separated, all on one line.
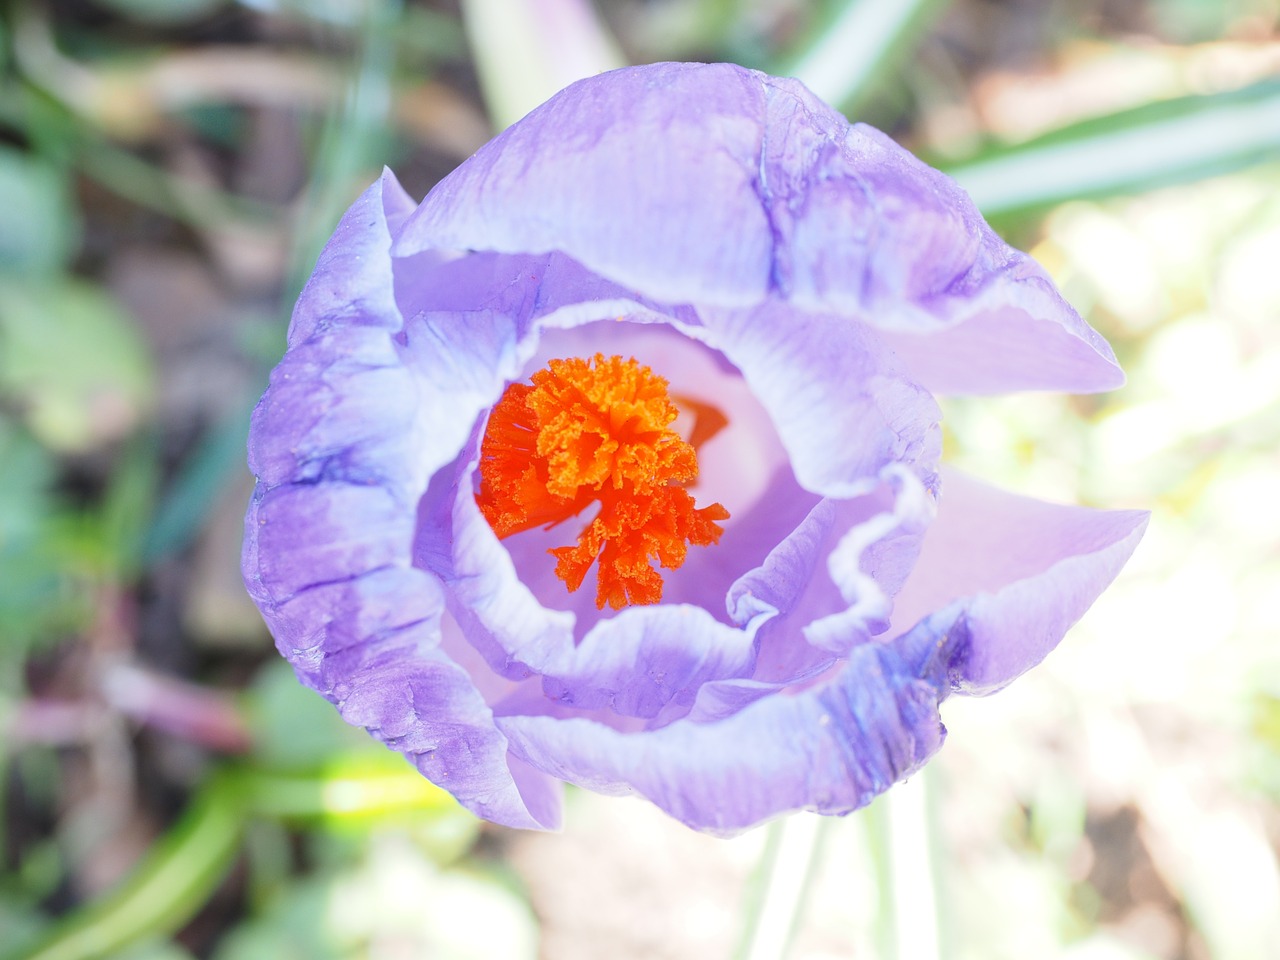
[(598, 430)]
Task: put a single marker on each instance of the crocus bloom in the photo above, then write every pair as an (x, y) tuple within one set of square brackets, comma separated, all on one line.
[(685, 323)]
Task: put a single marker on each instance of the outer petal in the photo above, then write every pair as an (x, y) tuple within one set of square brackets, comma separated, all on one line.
[(1032, 568), (352, 281), (615, 172), (830, 749), (329, 535), (828, 217), (882, 235), (1003, 577), (1005, 344)]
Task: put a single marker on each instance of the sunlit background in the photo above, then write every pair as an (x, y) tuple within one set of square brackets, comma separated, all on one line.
[(168, 172)]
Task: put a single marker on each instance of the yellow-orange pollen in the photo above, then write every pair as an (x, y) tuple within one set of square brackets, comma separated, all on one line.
[(599, 430)]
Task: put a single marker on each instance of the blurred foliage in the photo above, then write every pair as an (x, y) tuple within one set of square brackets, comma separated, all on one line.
[(31, 603), (39, 225), (72, 362), (168, 173)]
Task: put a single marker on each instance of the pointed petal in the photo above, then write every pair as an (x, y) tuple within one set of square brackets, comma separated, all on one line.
[(1002, 577), (352, 280)]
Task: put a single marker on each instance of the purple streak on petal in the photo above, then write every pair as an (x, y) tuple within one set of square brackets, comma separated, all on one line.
[(1005, 576), (830, 749), (342, 461), (312, 534), (868, 229), (639, 174), (329, 631), (341, 407), (830, 217), (325, 563)]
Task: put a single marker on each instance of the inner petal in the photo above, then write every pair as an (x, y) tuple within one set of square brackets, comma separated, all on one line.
[(738, 466)]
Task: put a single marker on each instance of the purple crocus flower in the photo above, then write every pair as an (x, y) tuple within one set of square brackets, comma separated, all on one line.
[(490, 375)]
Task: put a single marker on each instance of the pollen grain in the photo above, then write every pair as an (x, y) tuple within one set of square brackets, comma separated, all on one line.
[(598, 431)]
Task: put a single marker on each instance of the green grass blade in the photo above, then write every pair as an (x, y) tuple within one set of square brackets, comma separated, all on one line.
[(854, 50), (184, 508), (524, 52), (174, 880), (355, 141), (1153, 145), (353, 144)]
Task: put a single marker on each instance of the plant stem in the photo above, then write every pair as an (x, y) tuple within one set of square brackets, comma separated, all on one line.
[(164, 891), (783, 877), (912, 897)]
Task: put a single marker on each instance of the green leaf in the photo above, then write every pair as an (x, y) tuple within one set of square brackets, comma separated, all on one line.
[(128, 505), (394, 897), (526, 52), (155, 950), (20, 923), (163, 12), (1132, 151), (295, 728), (353, 788), (35, 594), (73, 360), (183, 508), (38, 223), (853, 50), (174, 880)]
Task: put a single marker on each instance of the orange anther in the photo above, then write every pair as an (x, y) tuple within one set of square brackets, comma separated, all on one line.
[(588, 431)]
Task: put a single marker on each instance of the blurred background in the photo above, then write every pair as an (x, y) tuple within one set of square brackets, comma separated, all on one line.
[(168, 172)]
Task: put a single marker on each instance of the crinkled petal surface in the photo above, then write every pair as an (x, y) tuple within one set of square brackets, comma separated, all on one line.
[(342, 461), (806, 278), (824, 215), (874, 719)]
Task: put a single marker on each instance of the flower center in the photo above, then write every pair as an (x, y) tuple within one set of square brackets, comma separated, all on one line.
[(599, 430)]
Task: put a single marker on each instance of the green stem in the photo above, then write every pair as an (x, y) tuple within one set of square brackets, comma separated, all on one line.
[(354, 141), (915, 911), (899, 837), (165, 890), (341, 792), (782, 883), (858, 47)]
